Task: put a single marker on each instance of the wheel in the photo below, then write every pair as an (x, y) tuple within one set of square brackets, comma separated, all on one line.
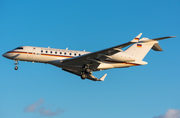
[(83, 76), (88, 70), (16, 68)]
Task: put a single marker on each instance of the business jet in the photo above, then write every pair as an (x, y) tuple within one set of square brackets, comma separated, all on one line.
[(83, 63)]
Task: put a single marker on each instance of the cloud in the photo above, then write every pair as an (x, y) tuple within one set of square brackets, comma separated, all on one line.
[(47, 112), (171, 113), (32, 107), (42, 110)]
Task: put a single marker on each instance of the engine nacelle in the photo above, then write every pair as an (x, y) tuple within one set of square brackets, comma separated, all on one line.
[(123, 57)]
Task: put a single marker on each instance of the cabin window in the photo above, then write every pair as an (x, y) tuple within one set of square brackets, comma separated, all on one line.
[(51, 51), (75, 54), (60, 52), (41, 50), (46, 51), (55, 52), (69, 53), (79, 54), (64, 53)]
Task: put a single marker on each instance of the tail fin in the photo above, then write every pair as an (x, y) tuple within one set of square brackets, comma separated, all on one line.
[(140, 49)]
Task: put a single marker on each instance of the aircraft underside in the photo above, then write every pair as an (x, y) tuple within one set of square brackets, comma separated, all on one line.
[(86, 71)]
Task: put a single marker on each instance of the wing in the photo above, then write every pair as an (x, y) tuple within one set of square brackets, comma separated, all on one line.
[(95, 58), (78, 65)]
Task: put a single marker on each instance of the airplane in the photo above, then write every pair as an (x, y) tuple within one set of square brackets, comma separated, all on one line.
[(83, 63)]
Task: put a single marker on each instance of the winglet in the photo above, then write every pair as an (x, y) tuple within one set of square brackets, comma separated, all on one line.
[(103, 77), (136, 39)]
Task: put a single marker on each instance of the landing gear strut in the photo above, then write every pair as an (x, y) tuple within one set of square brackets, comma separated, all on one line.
[(16, 63)]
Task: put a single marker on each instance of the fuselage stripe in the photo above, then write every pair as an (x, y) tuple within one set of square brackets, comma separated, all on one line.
[(18, 52), (41, 54)]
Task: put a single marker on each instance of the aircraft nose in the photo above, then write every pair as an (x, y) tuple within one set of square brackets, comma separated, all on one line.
[(7, 55), (4, 55)]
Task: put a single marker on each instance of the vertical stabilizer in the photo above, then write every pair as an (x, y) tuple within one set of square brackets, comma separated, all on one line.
[(140, 49)]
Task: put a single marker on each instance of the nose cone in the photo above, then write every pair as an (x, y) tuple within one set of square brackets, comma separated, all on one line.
[(8, 55), (4, 55)]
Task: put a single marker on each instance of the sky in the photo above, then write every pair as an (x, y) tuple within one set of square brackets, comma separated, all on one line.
[(44, 91)]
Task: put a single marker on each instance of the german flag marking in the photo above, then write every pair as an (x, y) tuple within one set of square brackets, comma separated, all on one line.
[(139, 45), (136, 38)]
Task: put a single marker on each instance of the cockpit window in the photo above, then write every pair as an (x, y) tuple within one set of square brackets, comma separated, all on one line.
[(19, 48)]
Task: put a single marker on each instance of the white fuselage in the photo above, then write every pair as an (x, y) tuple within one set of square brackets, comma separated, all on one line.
[(56, 56), (83, 63)]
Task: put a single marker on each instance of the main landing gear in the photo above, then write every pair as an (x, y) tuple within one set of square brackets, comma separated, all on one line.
[(16, 63), (83, 75), (85, 72)]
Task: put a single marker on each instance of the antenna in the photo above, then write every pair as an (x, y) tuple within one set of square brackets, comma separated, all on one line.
[(49, 47), (67, 48)]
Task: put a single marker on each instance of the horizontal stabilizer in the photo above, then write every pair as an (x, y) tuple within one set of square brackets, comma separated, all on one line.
[(156, 39), (156, 47)]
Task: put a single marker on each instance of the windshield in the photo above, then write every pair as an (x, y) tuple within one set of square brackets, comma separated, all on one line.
[(19, 48)]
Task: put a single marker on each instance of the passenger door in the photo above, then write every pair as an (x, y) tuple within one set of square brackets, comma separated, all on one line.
[(30, 52)]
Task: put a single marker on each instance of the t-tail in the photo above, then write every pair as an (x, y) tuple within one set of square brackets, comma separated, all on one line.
[(140, 49)]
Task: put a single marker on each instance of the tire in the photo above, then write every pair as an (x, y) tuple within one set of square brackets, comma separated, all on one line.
[(16, 68), (88, 70), (83, 76)]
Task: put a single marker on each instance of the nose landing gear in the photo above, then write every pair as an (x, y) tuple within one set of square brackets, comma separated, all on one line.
[(16, 63)]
